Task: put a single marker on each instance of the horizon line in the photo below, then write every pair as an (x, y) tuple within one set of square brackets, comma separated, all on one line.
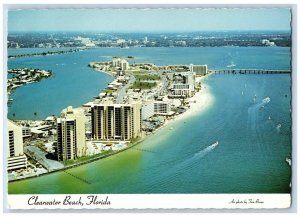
[(150, 31)]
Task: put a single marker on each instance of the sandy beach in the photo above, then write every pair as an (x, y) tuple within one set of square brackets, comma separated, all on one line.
[(200, 102)]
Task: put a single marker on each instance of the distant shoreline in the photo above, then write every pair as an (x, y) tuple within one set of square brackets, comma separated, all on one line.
[(46, 53)]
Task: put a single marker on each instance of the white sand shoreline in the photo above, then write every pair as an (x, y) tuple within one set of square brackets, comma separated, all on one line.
[(199, 103)]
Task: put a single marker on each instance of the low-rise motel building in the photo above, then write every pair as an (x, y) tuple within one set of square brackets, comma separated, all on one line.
[(71, 141), (15, 152)]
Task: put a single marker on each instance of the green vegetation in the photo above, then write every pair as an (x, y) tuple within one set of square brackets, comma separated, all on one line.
[(85, 158), (143, 85), (44, 53), (109, 91), (146, 77)]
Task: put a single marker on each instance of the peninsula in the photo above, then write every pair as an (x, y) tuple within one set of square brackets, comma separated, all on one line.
[(142, 98)]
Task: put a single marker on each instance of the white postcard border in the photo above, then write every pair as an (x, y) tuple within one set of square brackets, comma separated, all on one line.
[(177, 201), (148, 201)]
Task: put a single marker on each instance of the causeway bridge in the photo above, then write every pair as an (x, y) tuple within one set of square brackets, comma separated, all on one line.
[(249, 71)]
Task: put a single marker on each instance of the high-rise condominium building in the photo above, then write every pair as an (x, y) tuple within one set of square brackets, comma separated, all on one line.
[(15, 153), (116, 121), (71, 134), (199, 69), (122, 63)]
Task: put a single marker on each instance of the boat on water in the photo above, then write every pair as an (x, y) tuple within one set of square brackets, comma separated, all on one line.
[(289, 161), (231, 65), (266, 100), (215, 144), (269, 117)]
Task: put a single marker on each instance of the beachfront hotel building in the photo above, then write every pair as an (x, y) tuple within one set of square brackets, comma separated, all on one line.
[(156, 108), (183, 84), (116, 121), (199, 69), (71, 134), (147, 110), (15, 152), (162, 107)]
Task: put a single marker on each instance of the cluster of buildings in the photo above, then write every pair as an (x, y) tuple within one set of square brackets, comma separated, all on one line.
[(121, 63), (117, 66), (25, 76), (25, 132), (108, 123)]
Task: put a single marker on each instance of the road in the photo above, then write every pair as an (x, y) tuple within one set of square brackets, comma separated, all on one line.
[(122, 91)]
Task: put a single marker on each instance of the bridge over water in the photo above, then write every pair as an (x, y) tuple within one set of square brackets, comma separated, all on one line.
[(249, 71)]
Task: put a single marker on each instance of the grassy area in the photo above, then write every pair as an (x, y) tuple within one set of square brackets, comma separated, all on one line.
[(109, 91), (146, 77), (143, 85), (85, 158)]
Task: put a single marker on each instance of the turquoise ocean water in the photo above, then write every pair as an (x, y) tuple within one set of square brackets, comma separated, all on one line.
[(254, 136)]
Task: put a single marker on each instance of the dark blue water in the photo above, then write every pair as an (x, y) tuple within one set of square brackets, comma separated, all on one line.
[(250, 156)]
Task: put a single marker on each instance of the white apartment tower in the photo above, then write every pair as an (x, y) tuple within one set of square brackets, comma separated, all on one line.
[(122, 63), (71, 134), (186, 86), (15, 153), (116, 121), (199, 69)]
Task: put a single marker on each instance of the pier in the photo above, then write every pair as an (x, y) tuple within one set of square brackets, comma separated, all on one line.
[(249, 71)]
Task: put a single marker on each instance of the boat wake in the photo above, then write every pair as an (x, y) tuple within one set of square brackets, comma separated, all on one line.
[(202, 153), (278, 127), (253, 111), (206, 150), (231, 65)]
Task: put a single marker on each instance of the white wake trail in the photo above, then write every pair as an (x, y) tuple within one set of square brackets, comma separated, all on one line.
[(200, 154)]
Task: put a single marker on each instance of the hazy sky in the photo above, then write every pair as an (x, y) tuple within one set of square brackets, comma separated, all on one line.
[(149, 19)]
